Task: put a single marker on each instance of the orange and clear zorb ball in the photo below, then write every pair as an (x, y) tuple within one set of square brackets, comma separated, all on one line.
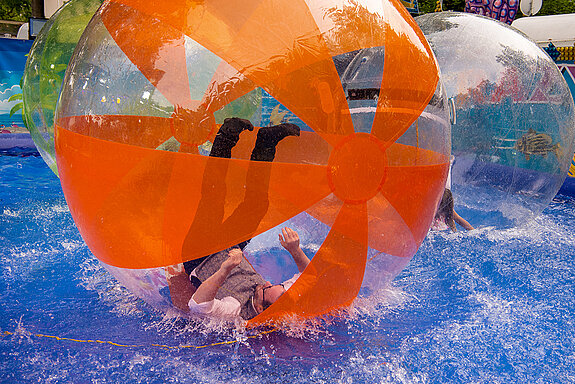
[(150, 86)]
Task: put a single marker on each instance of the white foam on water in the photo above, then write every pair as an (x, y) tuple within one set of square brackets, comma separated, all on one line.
[(11, 213), (94, 277)]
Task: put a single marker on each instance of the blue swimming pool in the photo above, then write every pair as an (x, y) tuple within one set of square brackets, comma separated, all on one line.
[(488, 306)]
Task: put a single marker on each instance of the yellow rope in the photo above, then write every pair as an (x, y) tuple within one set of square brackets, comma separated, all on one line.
[(7, 333)]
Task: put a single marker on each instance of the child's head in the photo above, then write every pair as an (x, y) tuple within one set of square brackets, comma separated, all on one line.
[(445, 208)]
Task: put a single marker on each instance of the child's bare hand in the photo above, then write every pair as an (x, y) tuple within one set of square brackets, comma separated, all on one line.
[(234, 259), (289, 239)]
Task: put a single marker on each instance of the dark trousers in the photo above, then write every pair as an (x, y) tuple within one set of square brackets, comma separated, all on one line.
[(214, 191)]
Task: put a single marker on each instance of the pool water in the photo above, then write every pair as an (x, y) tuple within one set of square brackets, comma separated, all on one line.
[(487, 306)]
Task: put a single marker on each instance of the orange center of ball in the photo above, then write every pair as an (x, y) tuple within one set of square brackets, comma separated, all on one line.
[(357, 168)]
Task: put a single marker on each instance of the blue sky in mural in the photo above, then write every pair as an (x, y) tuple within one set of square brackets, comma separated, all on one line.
[(12, 63)]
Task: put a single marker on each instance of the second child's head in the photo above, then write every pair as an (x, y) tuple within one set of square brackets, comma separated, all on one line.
[(445, 209)]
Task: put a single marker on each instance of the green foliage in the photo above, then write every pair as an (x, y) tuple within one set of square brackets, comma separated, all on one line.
[(16, 10), (17, 96), (550, 7), (556, 7), (18, 106), (428, 6), (15, 109)]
